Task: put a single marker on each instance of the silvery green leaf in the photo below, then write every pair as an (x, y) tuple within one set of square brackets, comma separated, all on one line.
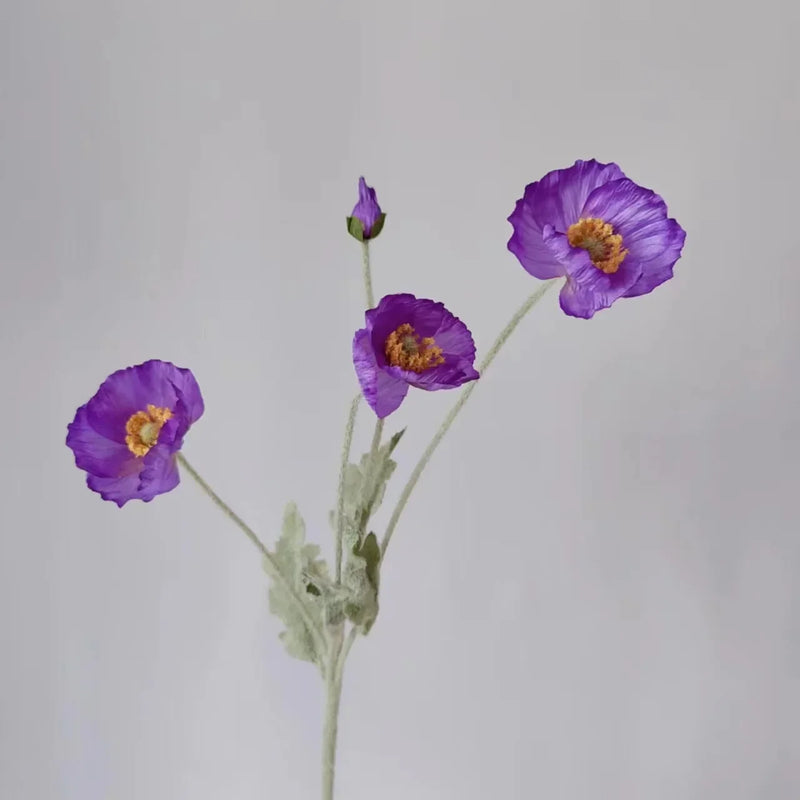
[(364, 488), (305, 578), (362, 579), (373, 487)]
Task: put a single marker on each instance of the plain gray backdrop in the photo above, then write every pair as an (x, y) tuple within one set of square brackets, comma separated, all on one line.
[(594, 592)]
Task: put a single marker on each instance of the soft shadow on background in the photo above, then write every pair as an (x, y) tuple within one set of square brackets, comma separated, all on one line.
[(594, 592)]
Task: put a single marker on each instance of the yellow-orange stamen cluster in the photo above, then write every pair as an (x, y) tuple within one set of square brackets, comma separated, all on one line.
[(599, 240), (143, 428), (405, 349)]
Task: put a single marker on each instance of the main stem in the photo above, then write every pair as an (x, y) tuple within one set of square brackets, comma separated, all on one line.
[(333, 694), (502, 338)]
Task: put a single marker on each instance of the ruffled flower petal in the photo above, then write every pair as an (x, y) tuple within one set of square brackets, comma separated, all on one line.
[(97, 435), (640, 216), (592, 191), (556, 200), (383, 391), (95, 453), (385, 385), (526, 242), (117, 490), (658, 269), (587, 288)]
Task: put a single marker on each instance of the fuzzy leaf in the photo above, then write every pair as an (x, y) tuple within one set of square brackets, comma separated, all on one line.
[(305, 577), (364, 488), (362, 577), (374, 486)]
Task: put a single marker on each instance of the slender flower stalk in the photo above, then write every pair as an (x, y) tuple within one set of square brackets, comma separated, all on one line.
[(253, 537), (502, 338), (348, 438), (367, 274), (377, 435)]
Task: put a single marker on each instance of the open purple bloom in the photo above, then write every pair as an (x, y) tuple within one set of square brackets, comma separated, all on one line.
[(127, 435), (367, 219), (608, 236), (410, 342)]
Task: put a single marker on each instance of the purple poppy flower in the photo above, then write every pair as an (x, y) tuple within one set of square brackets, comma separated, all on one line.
[(127, 435), (367, 219), (608, 236), (410, 342)]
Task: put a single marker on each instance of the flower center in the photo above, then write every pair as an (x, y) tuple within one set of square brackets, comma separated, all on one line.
[(600, 242), (405, 349), (143, 428)]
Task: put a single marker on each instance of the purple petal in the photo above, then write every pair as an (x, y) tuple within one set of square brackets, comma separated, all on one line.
[(157, 474), (389, 394), (97, 454), (659, 269), (187, 392), (97, 434), (450, 375), (394, 310), (556, 200), (640, 216), (132, 389), (160, 473), (559, 197), (527, 245), (588, 289), (454, 337), (366, 209), (127, 391), (383, 392), (117, 490)]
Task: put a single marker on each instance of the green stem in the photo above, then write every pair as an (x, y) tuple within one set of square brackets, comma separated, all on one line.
[(348, 439), (251, 535), (348, 643), (367, 274), (372, 472), (454, 411), (333, 694)]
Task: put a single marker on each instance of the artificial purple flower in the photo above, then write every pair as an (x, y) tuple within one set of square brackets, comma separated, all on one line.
[(367, 219), (127, 436), (410, 342), (608, 236)]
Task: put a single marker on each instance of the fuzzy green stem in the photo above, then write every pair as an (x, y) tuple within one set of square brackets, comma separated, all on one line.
[(348, 439), (333, 694), (376, 444), (367, 274), (502, 338), (251, 535), (372, 469)]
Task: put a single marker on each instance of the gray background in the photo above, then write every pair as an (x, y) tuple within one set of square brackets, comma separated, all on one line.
[(594, 592)]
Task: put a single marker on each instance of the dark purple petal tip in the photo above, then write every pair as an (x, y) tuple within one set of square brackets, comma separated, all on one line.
[(127, 436), (410, 342), (608, 236)]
